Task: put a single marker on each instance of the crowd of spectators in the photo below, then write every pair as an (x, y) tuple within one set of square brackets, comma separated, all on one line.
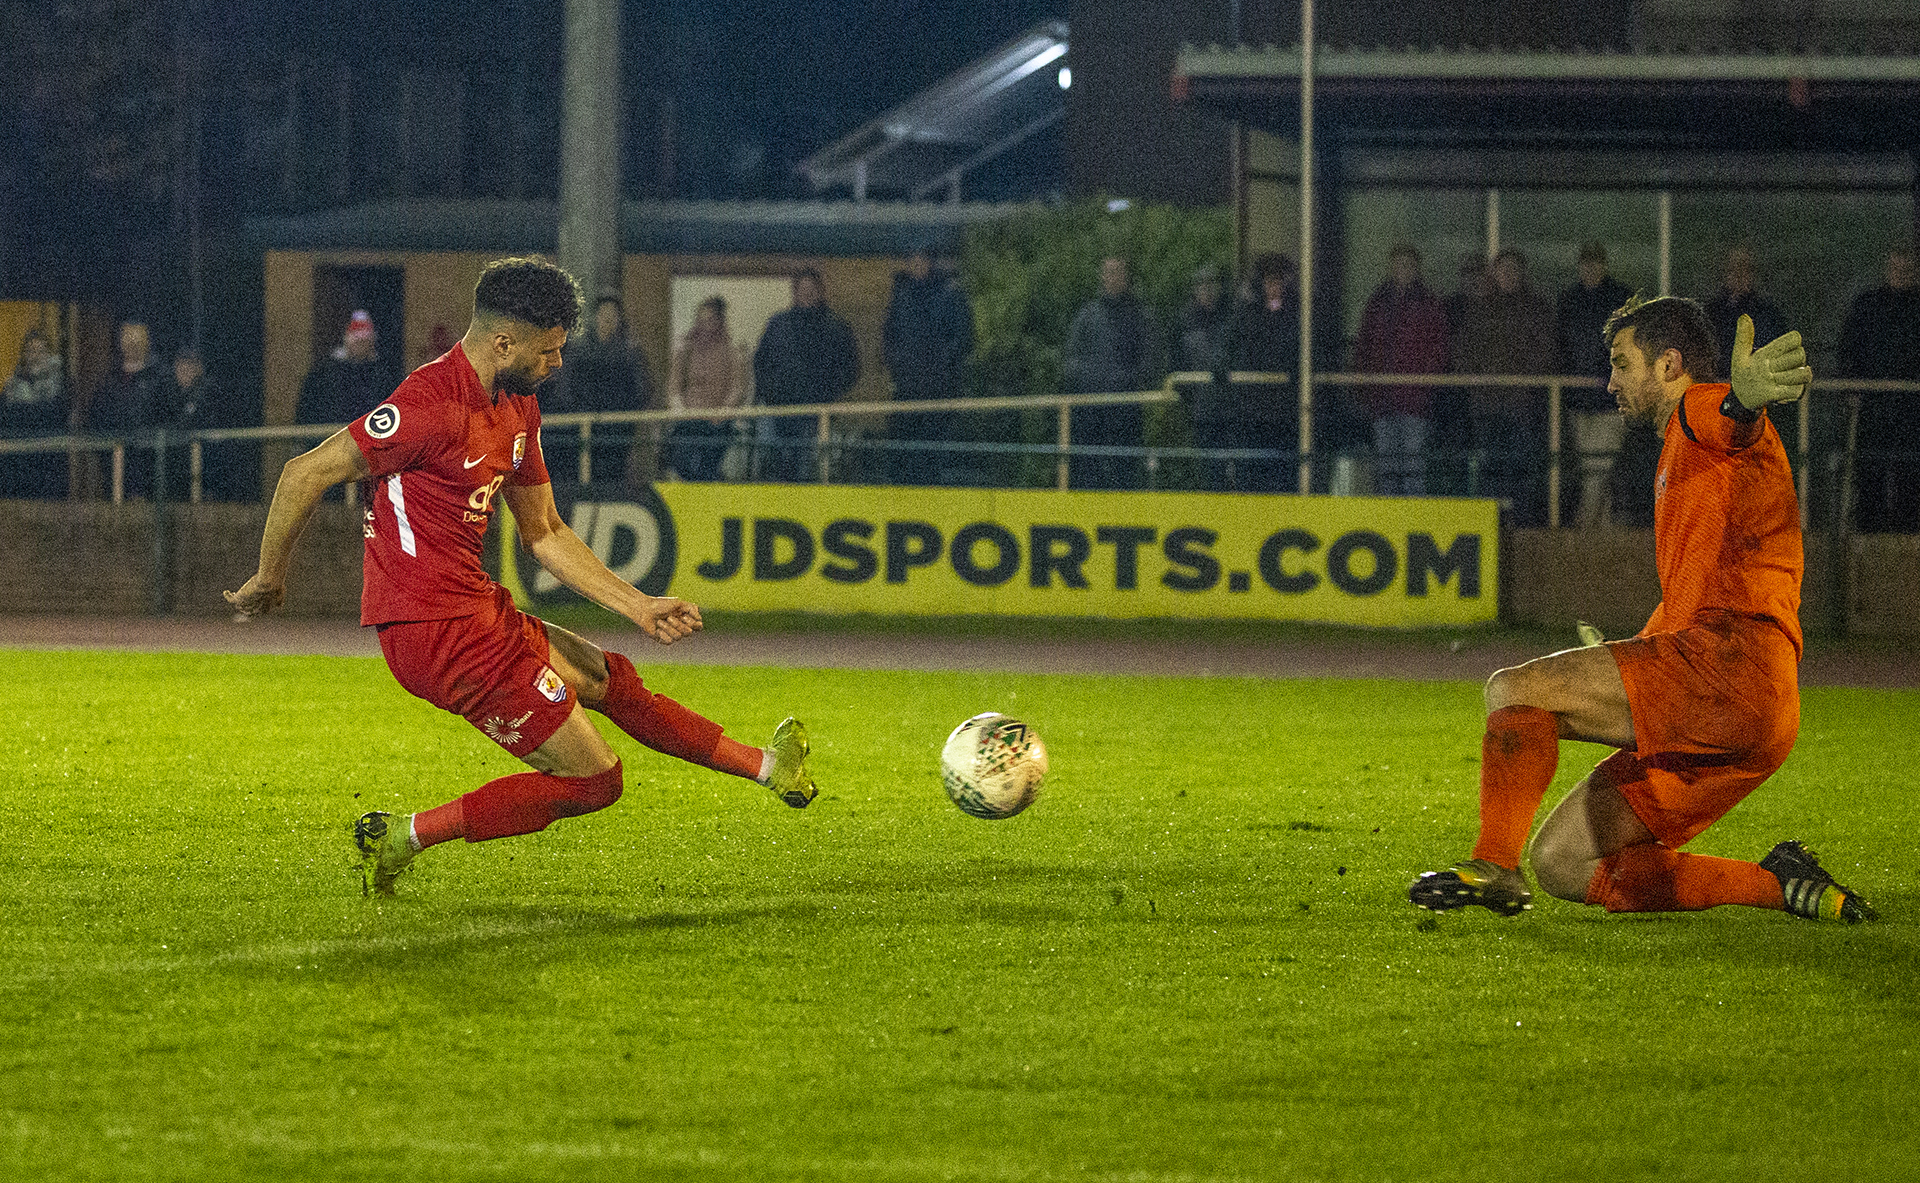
[(1419, 438)]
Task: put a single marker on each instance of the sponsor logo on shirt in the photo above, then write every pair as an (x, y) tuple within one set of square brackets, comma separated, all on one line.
[(504, 732), (383, 421)]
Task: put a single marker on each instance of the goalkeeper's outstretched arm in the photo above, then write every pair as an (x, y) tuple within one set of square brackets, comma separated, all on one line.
[(1777, 372)]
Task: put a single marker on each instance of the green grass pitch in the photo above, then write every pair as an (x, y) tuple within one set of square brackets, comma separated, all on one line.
[(1192, 960)]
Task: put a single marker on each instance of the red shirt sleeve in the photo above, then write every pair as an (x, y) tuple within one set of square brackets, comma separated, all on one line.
[(409, 430)]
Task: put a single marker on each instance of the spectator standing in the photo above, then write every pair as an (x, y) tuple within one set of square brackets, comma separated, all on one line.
[(603, 371), (34, 402), (926, 339), (354, 378), (1598, 427), (1451, 429), (1111, 346), (1201, 347), (1739, 296), (1265, 338), (806, 355), (1508, 329), (707, 374), (1880, 338), (1403, 330), (135, 398)]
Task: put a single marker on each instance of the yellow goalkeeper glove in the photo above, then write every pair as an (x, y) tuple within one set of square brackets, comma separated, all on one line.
[(1777, 372)]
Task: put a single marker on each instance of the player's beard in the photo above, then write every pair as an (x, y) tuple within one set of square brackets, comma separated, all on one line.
[(517, 379), (1643, 408)]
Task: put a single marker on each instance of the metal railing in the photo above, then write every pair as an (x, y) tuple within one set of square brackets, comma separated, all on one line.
[(1062, 405)]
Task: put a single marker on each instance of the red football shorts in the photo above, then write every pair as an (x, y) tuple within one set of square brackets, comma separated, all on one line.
[(1716, 708), (490, 668)]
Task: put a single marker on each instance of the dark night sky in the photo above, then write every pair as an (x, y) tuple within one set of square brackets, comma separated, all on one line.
[(758, 86)]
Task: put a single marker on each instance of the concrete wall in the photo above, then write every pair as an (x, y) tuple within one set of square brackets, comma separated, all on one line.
[(95, 558)]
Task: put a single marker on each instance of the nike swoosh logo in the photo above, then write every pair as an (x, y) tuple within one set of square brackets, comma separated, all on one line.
[(471, 463)]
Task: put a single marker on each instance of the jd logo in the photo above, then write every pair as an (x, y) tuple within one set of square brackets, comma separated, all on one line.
[(629, 529)]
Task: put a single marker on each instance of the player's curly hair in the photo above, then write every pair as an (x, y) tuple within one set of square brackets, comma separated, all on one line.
[(1669, 322), (529, 290)]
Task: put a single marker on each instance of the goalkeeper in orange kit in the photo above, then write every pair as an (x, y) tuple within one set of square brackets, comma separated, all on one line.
[(1703, 704)]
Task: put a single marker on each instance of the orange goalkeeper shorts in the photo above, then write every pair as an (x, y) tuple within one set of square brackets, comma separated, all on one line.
[(1716, 709)]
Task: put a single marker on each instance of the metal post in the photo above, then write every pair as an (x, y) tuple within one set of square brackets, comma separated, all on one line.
[(1806, 456), (194, 463), (1553, 456), (585, 464), (1493, 223), (1066, 441), (159, 593), (119, 473), (590, 129), (1305, 372), (1666, 243), (822, 436)]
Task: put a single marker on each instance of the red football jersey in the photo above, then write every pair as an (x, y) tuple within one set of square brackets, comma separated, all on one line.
[(440, 449), (1726, 521)]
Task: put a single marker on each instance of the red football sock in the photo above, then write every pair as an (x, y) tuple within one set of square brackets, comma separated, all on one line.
[(1517, 757), (529, 801), (1654, 878), (442, 823), (669, 728)]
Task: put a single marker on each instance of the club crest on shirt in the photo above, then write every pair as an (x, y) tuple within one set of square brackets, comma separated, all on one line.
[(383, 421), (549, 684), (519, 449)]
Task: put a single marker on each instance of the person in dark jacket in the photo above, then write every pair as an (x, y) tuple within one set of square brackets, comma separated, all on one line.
[(1880, 338), (926, 339), (1598, 427), (1266, 339), (806, 355), (1739, 296), (1403, 330), (353, 380), (135, 398), (1200, 347), (1509, 329), (1112, 347), (603, 370), (34, 402)]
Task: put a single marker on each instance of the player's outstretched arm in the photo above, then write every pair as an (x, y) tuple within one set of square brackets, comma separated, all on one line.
[(304, 480), (1777, 372), (561, 552)]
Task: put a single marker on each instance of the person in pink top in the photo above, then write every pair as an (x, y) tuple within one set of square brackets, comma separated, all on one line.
[(707, 374), (460, 435)]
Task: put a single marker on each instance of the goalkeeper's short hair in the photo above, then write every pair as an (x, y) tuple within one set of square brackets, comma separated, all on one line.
[(1669, 322)]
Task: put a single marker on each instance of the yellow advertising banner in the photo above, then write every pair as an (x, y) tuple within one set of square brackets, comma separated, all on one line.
[(1399, 562)]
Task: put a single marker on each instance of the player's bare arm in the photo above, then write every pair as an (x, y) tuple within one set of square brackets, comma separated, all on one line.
[(561, 552), (304, 480)]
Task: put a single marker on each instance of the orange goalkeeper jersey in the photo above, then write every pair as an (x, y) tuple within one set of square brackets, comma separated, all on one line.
[(1726, 521)]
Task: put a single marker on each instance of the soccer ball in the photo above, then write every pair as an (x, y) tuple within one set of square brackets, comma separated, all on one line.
[(992, 765)]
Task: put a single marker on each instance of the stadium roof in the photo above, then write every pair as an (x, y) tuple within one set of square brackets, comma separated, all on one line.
[(839, 228), (928, 143), (1492, 97)]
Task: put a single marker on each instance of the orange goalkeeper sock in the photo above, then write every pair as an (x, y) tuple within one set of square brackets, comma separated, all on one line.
[(1655, 878), (1517, 757)]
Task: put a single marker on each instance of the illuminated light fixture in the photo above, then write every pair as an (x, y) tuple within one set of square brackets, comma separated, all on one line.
[(1066, 77)]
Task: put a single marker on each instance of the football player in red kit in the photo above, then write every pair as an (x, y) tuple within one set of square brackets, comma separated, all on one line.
[(458, 433)]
